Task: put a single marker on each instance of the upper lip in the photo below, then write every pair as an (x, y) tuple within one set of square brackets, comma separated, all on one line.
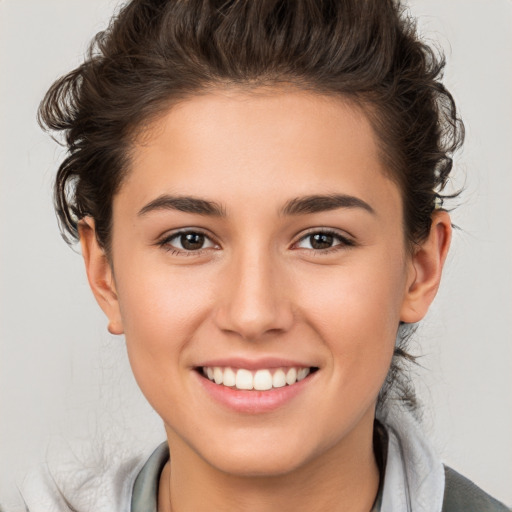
[(255, 364)]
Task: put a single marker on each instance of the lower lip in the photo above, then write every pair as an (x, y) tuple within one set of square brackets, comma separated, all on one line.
[(253, 402)]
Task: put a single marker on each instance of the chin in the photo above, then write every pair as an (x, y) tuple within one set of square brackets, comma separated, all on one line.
[(266, 452), (258, 463)]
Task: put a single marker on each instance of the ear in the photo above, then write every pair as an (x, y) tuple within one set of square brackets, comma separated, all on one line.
[(100, 275), (426, 268)]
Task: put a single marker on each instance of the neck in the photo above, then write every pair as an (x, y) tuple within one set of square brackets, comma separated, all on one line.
[(345, 477)]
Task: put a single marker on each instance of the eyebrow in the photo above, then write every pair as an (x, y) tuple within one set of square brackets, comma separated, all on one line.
[(322, 203), (187, 204), (297, 206)]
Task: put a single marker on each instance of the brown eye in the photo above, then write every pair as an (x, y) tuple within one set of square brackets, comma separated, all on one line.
[(323, 240), (188, 241), (192, 241)]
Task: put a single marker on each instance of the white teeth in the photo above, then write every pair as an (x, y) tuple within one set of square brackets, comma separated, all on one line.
[(217, 375), (261, 380), (291, 376), (278, 379), (302, 373), (244, 379), (229, 377)]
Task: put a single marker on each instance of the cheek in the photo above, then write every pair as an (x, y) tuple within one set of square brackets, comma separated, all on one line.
[(356, 311), (161, 309), (157, 298), (363, 295)]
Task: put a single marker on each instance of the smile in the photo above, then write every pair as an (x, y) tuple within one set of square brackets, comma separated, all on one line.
[(259, 380)]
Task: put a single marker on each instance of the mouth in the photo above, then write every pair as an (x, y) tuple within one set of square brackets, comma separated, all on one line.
[(263, 379)]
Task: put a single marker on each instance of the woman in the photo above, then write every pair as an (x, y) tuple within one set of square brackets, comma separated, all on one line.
[(257, 189)]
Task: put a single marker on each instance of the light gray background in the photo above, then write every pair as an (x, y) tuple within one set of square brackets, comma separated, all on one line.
[(64, 379)]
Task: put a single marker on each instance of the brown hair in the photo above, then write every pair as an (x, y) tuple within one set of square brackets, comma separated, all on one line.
[(157, 52)]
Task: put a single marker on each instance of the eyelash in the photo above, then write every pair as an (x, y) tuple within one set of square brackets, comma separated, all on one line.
[(344, 242), (164, 243)]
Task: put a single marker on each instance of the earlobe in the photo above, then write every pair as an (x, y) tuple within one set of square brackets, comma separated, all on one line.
[(100, 275), (426, 269)]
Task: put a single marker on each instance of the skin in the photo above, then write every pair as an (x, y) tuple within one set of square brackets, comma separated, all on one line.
[(259, 288)]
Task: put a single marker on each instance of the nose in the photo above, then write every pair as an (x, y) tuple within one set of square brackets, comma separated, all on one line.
[(254, 301)]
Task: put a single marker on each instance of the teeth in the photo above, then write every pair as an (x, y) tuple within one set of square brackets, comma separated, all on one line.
[(243, 379), (279, 379), (291, 376), (229, 377), (218, 375), (302, 373), (261, 380)]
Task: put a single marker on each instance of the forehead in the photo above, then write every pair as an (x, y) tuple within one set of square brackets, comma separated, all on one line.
[(270, 143)]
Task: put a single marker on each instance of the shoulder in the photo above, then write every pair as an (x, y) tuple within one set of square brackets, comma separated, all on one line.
[(462, 495), (80, 485)]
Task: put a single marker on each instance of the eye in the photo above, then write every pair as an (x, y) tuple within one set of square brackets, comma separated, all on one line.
[(323, 240), (188, 241)]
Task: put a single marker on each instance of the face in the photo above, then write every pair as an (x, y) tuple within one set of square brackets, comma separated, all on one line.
[(258, 242)]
